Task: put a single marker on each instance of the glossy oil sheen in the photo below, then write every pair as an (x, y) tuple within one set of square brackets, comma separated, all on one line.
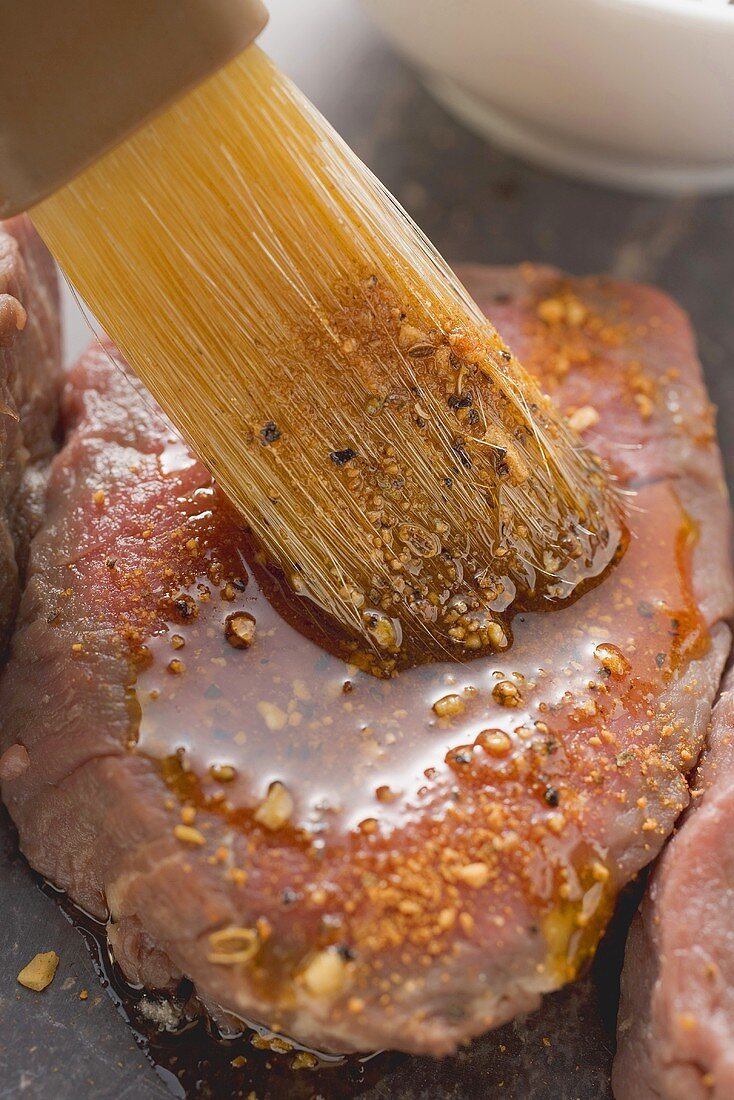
[(352, 748)]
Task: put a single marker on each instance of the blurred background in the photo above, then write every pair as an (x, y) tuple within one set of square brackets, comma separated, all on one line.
[(476, 203)]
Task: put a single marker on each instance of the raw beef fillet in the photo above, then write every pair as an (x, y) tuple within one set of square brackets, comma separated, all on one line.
[(676, 1018), (355, 861), (30, 374)]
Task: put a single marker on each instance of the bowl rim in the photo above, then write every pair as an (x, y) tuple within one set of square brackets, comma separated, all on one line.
[(685, 9), (689, 11)]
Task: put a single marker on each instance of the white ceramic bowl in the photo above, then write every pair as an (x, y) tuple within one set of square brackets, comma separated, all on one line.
[(635, 93)]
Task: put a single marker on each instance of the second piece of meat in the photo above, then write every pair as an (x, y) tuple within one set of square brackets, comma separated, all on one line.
[(676, 1017)]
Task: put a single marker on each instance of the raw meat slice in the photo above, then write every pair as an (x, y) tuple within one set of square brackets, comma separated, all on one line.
[(364, 862)]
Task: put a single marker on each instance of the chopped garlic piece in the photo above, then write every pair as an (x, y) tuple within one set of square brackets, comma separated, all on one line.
[(475, 875), (232, 946), (189, 835), (325, 975), (40, 971), (277, 808), (584, 418), (239, 630), (449, 706)]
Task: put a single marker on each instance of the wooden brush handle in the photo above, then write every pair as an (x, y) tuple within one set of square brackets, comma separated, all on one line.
[(80, 75)]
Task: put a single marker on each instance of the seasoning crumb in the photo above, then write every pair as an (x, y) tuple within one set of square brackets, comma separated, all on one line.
[(325, 975), (269, 433), (599, 872), (40, 971), (340, 458), (223, 773), (506, 694), (495, 742), (584, 418), (556, 823), (381, 629), (446, 919), (551, 310), (83, 994), (644, 405), (185, 606), (276, 809), (475, 875), (239, 629), (466, 920), (449, 706), (233, 945), (273, 1043), (189, 835), (304, 1060), (612, 659)]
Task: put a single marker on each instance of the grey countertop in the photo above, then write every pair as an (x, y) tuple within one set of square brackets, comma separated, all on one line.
[(476, 204)]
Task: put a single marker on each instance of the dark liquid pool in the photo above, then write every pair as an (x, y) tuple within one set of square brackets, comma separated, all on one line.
[(562, 1051)]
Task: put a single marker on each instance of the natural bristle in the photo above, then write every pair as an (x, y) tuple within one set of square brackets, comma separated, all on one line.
[(386, 449)]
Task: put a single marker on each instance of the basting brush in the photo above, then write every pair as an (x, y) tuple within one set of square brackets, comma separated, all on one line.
[(391, 456)]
